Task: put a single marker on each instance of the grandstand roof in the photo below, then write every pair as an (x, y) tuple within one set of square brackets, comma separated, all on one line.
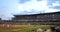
[(38, 14)]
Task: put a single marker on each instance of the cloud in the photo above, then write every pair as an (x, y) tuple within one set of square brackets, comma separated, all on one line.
[(40, 5), (56, 5), (8, 8), (39, 0), (33, 4), (23, 1)]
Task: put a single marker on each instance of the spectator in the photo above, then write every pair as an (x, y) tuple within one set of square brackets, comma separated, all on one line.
[(48, 30), (57, 29), (52, 29), (40, 30)]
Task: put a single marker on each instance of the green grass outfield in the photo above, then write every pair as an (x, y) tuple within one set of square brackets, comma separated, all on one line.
[(31, 27)]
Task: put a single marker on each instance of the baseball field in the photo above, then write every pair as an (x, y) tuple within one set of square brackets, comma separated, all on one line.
[(21, 28)]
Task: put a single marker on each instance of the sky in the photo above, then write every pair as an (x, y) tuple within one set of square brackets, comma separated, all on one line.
[(8, 8)]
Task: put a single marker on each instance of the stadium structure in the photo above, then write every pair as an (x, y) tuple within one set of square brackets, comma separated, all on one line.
[(52, 18)]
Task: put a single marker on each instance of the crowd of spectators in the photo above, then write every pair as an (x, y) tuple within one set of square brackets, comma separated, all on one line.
[(52, 29)]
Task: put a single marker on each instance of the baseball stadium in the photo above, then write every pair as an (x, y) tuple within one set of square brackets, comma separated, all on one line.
[(31, 22)]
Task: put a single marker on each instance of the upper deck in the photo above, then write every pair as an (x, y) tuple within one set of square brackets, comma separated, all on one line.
[(38, 17)]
